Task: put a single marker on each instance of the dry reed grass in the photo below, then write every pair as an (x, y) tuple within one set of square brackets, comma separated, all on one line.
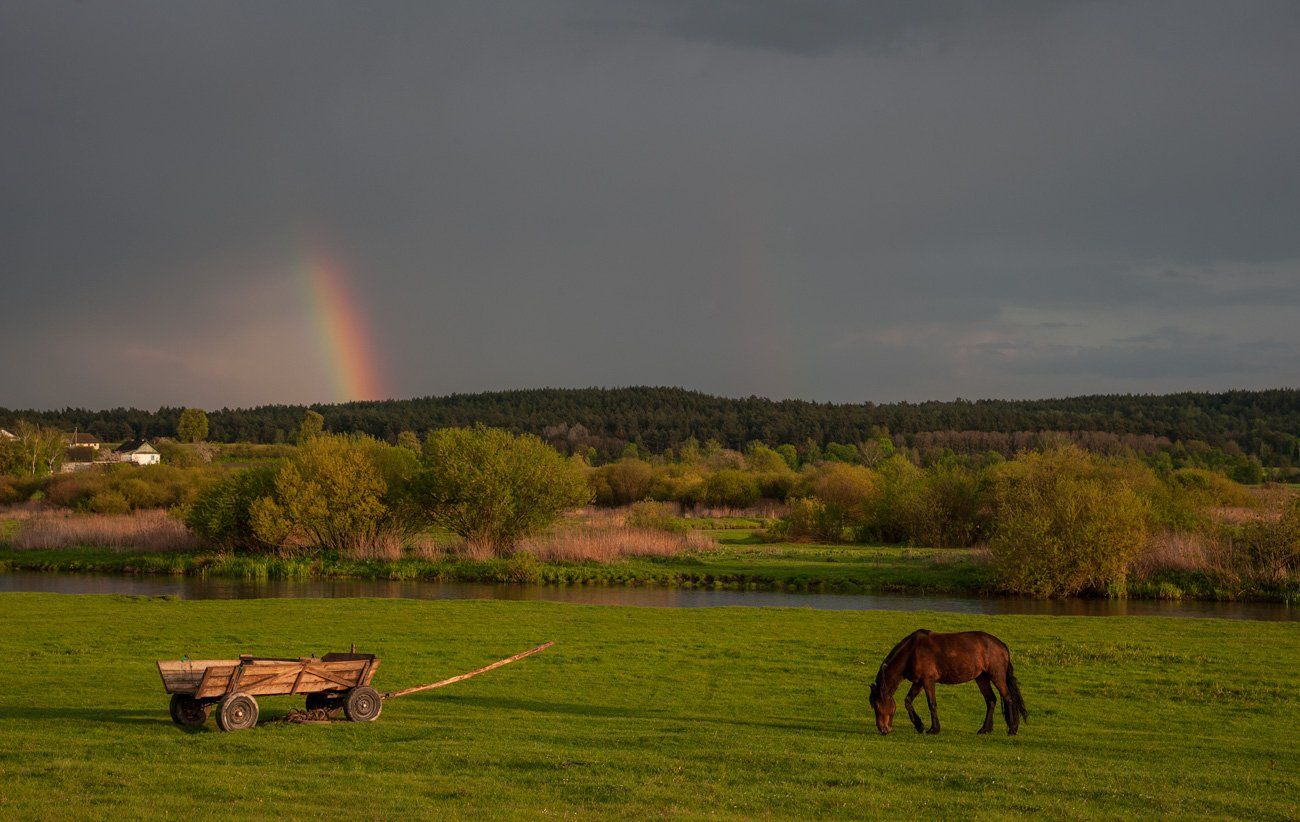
[(1181, 551), (150, 530), (610, 544)]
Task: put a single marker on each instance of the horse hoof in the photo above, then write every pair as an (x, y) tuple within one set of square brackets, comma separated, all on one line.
[(984, 731), (934, 731)]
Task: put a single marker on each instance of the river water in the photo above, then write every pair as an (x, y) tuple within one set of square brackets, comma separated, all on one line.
[(210, 588)]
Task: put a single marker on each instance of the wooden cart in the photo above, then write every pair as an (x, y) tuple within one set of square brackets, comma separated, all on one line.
[(334, 681), (331, 683)]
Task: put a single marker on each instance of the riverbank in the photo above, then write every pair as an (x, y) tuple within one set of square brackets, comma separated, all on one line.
[(839, 569), (636, 712), (736, 565)]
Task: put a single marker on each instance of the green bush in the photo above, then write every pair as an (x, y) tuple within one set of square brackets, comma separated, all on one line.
[(731, 487), (622, 482), (493, 488), (680, 483), (108, 501), (1063, 525), (888, 514), (221, 513), (657, 516), (809, 518), (1267, 549)]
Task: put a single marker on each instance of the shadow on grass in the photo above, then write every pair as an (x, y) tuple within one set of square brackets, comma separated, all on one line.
[(845, 726), (88, 713)]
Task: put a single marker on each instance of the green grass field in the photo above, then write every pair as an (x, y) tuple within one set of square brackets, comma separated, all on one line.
[(727, 713)]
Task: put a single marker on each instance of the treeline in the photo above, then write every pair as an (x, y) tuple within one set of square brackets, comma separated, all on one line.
[(600, 423)]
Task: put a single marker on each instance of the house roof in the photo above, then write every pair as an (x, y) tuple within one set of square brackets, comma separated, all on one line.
[(82, 438), (135, 446), (5, 434)]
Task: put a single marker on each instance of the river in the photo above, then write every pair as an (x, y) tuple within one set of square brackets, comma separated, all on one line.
[(222, 588)]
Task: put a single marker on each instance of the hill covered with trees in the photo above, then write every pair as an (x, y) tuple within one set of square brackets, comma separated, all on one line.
[(601, 422)]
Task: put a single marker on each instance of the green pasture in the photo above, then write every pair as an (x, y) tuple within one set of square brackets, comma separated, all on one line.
[(638, 712)]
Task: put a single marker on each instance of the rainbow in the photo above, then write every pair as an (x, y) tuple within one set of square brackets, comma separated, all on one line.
[(344, 333)]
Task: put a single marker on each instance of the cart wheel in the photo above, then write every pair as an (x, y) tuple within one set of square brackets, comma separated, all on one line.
[(188, 712), (236, 712), (327, 702), (363, 704)]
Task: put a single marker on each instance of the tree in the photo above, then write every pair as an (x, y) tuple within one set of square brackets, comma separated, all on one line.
[(619, 483), (1064, 524), (39, 450), (312, 425), (192, 425), (409, 441), (493, 488), (330, 495)]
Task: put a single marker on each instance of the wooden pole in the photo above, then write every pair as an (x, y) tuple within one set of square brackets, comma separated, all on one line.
[(417, 688)]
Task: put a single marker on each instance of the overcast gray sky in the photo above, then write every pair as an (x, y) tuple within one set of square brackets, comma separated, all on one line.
[(827, 200)]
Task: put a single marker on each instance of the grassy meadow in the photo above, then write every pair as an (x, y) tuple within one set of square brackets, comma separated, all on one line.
[(729, 713)]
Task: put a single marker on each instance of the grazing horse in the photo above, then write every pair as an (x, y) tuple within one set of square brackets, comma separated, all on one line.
[(924, 658)]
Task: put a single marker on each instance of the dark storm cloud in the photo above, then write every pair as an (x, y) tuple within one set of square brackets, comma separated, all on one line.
[(822, 199)]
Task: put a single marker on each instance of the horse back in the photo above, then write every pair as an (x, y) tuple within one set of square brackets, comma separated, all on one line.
[(958, 657)]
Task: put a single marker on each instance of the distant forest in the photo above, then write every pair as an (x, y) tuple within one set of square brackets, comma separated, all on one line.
[(601, 422)]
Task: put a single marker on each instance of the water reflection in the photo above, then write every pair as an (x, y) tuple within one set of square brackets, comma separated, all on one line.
[(203, 588)]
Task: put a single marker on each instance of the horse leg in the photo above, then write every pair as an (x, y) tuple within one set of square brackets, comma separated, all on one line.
[(1008, 710), (934, 706), (989, 701), (911, 711)]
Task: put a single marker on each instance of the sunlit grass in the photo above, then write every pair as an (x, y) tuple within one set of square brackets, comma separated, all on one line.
[(733, 713)]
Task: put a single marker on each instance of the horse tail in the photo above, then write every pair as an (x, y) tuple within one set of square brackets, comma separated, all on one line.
[(1014, 701)]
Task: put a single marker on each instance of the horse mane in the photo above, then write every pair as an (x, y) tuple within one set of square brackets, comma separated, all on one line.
[(896, 650)]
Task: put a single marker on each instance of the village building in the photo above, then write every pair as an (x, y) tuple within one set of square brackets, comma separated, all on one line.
[(6, 434), (83, 440), (138, 451)]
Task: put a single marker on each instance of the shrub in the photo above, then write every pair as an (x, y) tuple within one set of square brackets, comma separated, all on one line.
[(948, 509), (731, 487), (221, 513), (9, 492), (1062, 526), (330, 495), (108, 501), (776, 485), (654, 516), (622, 482), (1267, 549), (809, 518), (678, 483), (888, 514), (493, 488)]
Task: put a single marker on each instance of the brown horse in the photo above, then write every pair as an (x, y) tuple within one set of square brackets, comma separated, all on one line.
[(924, 658)]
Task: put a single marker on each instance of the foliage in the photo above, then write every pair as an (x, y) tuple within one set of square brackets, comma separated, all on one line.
[(192, 426), (108, 501), (656, 516), (222, 513), (622, 482), (312, 425), (332, 494), (809, 518), (731, 487), (1267, 548), (1062, 526), (35, 451), (493, 488)]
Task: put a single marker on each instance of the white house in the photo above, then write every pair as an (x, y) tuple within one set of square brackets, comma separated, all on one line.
[(83, 440), (5, 434), (138, 451)]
